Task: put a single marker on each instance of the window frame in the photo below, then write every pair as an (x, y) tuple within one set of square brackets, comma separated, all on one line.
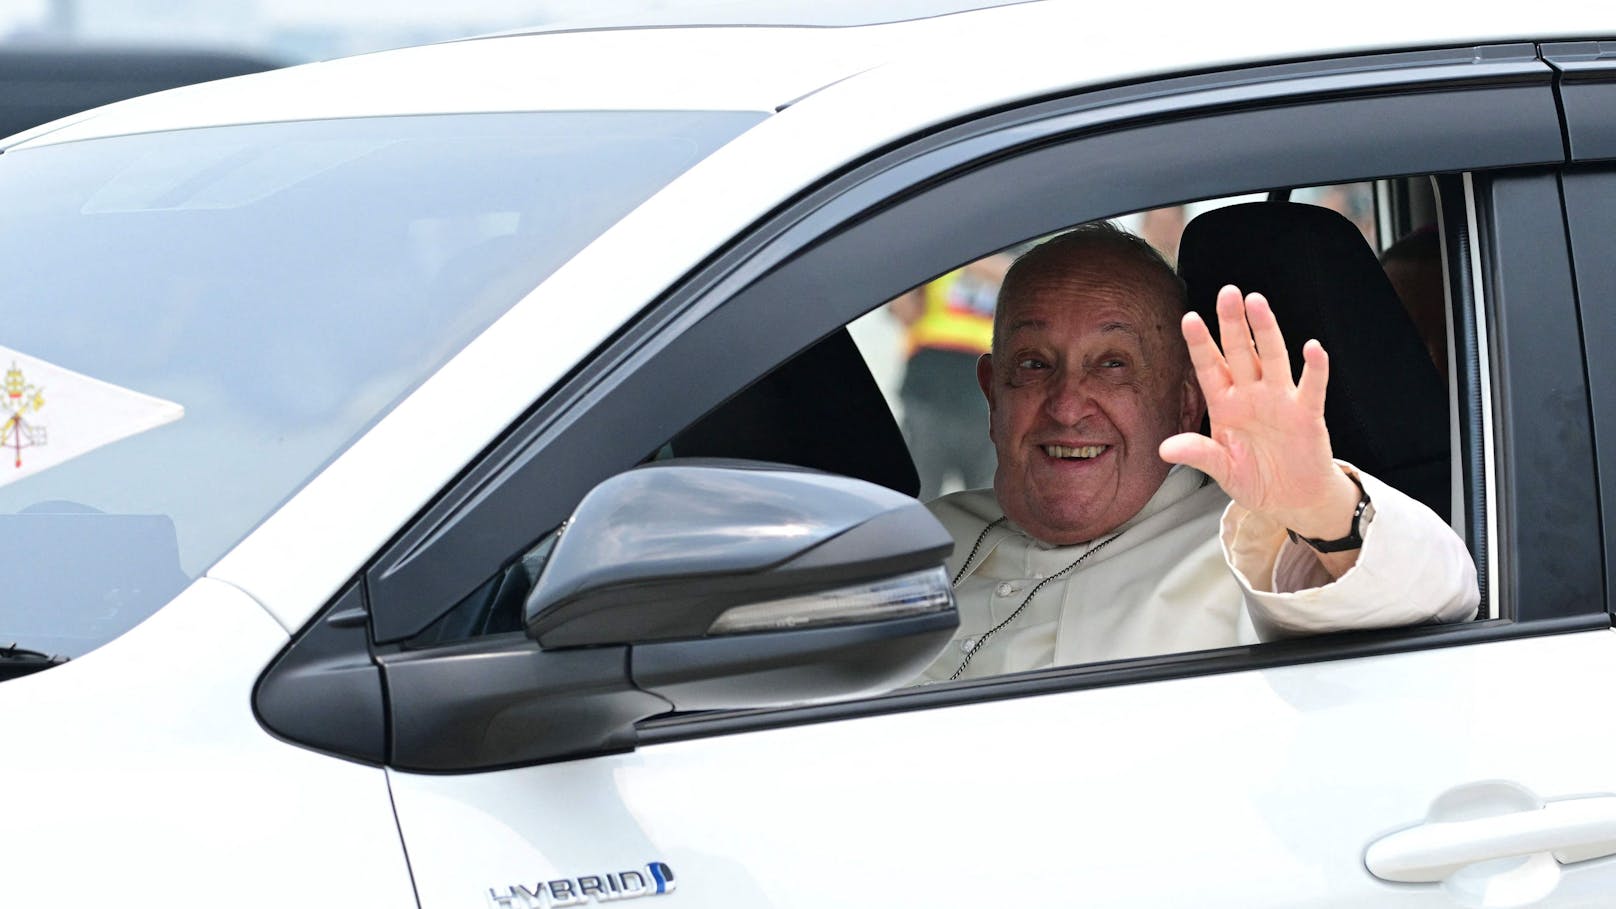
[(1546, 561), (1585, 78), (1586, 81), (1592, 225), (895, 219)]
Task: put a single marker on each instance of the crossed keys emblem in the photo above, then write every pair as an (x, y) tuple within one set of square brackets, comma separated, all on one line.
[(18, 407)]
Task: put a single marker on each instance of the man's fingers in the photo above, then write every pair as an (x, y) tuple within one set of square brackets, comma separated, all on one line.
[(1271, 352), (1197, 451), (1315, 376), (1235, 334), (1210, 369)]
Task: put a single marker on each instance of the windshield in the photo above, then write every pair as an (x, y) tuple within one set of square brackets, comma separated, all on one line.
[(195, 322)]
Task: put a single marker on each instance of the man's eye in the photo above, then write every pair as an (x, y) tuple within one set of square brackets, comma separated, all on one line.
[(1030, 363), (1113, 363)]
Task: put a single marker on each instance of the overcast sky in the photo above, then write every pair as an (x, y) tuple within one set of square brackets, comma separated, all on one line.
[(101, 17), (326, 27), (23, 13)]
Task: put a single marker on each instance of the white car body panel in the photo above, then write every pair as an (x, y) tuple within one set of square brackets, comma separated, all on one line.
[(1244, 790), (140, 767)]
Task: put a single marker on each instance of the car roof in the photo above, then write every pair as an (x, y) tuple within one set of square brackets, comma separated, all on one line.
[(1014, 51)]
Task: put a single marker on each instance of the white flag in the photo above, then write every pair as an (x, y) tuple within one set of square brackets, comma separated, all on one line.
[(49, 414)]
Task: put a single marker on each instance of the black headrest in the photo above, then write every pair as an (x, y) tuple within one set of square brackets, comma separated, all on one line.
[(1386, 406), (822, 409)]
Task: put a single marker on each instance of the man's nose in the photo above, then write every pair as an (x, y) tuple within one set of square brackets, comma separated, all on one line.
[(1071, 396)]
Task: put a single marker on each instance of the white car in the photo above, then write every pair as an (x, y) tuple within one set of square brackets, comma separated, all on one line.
[(306, 370)]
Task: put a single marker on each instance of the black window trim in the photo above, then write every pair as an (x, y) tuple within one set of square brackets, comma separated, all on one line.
[(880, 192), (1139, 670), (417, 576), (1547, 558), (1586, 86), (1585, 82), (1591, 224)]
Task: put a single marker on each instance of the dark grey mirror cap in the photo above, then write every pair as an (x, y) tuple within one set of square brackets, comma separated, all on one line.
[(501, 701), (498, 701), (657, 553)]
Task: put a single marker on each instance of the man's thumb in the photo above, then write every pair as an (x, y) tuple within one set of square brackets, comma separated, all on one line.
[(1195, 450)]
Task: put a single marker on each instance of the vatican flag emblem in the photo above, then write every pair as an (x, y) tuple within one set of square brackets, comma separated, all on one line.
[(49, 414)]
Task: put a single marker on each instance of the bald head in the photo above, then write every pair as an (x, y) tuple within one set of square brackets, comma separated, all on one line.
[(1098, 247), (1088, 374)]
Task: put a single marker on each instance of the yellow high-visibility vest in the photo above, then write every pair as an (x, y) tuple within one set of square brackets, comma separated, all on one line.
[(958, 314)]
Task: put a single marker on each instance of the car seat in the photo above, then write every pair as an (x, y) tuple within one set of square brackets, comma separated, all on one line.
[(822, 410), (1386, 405)]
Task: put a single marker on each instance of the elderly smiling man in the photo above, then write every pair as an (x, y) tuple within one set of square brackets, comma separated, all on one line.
[(1110, 531)]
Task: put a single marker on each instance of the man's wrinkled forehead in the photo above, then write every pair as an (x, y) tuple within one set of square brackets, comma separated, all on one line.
[(1115, 299), (1094, 270), (1036, 324)]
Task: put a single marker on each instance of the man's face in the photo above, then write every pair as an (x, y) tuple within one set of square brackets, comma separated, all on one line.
[(1086, 380)]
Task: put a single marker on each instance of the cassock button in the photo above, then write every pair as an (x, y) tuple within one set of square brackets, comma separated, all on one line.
[(966, 644), (1007, 588)]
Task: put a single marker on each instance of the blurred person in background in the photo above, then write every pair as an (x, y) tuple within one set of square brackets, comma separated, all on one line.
[(1353, 201), (1414, 266), (1161, 228), (948, 325)]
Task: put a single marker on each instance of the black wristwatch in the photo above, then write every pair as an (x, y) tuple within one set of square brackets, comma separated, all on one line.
[(1354, 537)]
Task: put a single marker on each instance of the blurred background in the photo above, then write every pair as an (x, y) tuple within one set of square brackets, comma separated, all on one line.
[(58, 57), (298, 31), (290, 31)]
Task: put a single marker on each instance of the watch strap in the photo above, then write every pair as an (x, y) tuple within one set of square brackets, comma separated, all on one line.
[(1354, 537)]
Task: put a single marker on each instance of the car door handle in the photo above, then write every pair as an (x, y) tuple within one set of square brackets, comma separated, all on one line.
[(1573, 830)]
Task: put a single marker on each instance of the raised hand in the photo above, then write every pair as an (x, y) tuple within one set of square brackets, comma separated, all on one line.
[(1269, 448)]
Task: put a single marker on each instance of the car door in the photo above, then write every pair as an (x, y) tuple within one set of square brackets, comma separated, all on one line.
[(1429, 766)]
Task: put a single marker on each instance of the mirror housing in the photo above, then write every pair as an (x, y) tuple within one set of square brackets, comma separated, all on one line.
[(665, 551), (686, 585)]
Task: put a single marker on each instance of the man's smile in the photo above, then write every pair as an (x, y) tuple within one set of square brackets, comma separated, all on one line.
[(1075, 453)]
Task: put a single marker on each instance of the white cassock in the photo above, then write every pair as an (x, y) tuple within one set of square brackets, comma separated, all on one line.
[(1191, 571)]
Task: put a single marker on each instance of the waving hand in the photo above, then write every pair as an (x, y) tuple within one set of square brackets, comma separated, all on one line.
[(1269, 448)]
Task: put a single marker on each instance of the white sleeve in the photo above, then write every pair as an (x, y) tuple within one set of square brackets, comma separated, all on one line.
[(1413, 569)]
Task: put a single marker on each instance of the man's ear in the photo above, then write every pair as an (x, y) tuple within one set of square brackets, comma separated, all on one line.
[(1192, 409), (984, 377)]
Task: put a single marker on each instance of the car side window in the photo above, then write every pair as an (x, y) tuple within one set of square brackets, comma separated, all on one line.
[(703, 349), (838, 405)]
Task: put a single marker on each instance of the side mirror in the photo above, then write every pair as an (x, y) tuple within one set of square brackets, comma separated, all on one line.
[(677, 550), (715, 572), (689, 585)]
